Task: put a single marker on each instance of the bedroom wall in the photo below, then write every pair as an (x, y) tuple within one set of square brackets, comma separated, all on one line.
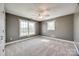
[(63, 28), (12, 27)]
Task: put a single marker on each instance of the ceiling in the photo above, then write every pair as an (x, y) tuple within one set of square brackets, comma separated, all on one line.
[(32, 10)]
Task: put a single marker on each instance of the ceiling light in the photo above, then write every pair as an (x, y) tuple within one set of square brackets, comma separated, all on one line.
[(43, 12), (41, 17)]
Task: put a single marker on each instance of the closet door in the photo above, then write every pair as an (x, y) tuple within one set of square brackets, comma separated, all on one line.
[(2, 30)]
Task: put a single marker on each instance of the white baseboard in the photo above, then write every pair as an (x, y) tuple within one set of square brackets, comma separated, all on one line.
[(21, 40), (76, 48), (58, 39)]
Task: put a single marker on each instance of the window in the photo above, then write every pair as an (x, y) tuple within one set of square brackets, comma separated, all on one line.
[(51, 25), (27, 28), (23, 28), (31, 28)]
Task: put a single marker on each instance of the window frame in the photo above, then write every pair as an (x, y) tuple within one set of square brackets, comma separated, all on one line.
[(19, 28), (34, 28), (52, 25), (28, 28)]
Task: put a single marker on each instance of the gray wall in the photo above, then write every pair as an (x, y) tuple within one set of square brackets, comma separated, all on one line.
[(64, 28), (76, 27), (12, 27)]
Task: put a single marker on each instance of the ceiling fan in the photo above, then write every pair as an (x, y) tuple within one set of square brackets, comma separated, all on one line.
[(43, 12)]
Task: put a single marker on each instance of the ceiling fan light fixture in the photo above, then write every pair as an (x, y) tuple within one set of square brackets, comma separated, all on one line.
[(40, 17)]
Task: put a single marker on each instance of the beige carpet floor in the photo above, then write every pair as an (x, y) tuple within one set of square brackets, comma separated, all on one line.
[(41, 46)]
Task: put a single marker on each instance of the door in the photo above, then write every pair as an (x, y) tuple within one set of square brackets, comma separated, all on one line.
[(2, 30)]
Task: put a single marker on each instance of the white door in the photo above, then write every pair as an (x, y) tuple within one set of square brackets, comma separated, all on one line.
[(2, 30)]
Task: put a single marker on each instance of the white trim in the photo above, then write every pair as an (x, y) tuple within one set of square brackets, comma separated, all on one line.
[(76, 48), (20, 40), (58, 39)]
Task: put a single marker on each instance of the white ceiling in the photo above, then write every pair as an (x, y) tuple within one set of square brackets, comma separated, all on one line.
[(29, 10)]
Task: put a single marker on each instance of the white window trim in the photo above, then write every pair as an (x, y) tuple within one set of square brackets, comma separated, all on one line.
[(52, 26), (28, 29)]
